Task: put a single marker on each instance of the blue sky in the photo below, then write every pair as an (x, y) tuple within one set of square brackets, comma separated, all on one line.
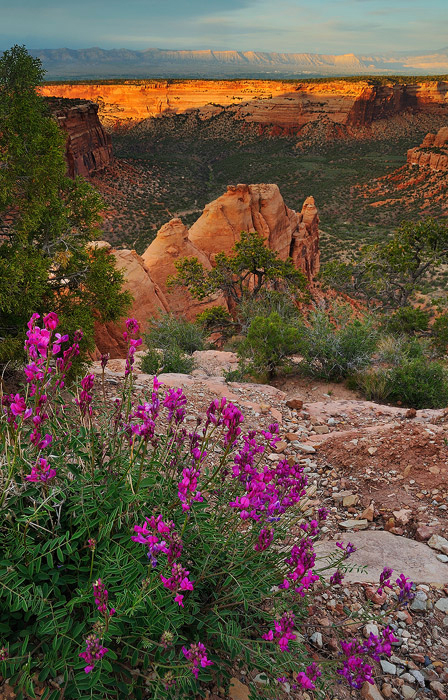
[(318, 26)]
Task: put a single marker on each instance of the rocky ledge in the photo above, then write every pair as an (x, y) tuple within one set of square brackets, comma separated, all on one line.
[(432, 153)]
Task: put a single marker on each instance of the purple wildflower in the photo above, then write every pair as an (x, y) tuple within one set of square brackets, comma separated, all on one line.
[(405, 587), (178, 581), (101, 596), (93, 653), (337, 578), (197, 656), (283, 631), (385, 579), (265, 538), (41, 472)]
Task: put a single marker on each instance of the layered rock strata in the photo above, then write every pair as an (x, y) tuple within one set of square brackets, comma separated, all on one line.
[(88, 147), (287, 105), (433, 152)]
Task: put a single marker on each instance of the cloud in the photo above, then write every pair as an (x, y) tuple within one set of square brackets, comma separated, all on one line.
[(321, 26)]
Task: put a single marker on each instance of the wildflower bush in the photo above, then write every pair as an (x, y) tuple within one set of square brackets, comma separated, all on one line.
[(142, 559)]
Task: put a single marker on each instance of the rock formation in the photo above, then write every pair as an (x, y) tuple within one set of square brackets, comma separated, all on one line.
[(286, 105), (88, 147), (433, 152), (171, 244), (242, 208), (260, 208), (149, 301)]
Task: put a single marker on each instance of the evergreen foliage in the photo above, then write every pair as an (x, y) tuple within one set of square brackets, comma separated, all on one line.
[(388, 275), (249, 269), (46, 220)]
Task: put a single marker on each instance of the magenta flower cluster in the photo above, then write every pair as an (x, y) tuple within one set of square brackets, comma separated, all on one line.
[(356, 668), (132, 329), (94, 652), (149, 534), (196, 655), (283, 631), (101, 596), (300, 564), (85, 398), (41, 471)]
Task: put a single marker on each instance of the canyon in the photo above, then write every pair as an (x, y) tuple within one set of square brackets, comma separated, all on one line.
[(88, 148), (257, 207), (285, 105)]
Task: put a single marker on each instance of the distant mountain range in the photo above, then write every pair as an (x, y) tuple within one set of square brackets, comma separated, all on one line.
[(97, 63)]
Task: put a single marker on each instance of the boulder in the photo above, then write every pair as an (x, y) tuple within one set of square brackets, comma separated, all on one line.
[(377, 549)]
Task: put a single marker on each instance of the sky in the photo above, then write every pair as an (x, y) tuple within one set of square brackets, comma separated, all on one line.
[(317, 26)]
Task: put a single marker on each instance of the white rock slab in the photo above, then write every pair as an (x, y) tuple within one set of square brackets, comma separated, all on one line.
[(378, 548)]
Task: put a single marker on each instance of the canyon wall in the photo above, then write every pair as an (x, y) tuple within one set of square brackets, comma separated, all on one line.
[(88, 146), (432, 153), (288, 105)]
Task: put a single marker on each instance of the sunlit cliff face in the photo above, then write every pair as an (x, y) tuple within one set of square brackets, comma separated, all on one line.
[(287, 105)]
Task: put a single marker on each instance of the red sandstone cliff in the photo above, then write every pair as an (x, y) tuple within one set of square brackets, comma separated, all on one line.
[(88, 147), (286, 105), (172, 243), (433, 152)]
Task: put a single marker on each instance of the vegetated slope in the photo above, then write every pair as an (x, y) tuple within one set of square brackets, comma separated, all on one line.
[(417, 188)]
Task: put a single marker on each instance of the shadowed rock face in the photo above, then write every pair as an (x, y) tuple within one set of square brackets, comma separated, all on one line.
[(88, 147), (433, 152), (285, 105)]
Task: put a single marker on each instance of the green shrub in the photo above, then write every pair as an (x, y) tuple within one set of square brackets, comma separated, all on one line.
[(139, 560), (373, 384), (171, 359), (216, 318), (416, 383), (170, 330), (267, 302), (269, 343), (407, 320), (419, 383), (395, 350), (440, 334), (333, 352)]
